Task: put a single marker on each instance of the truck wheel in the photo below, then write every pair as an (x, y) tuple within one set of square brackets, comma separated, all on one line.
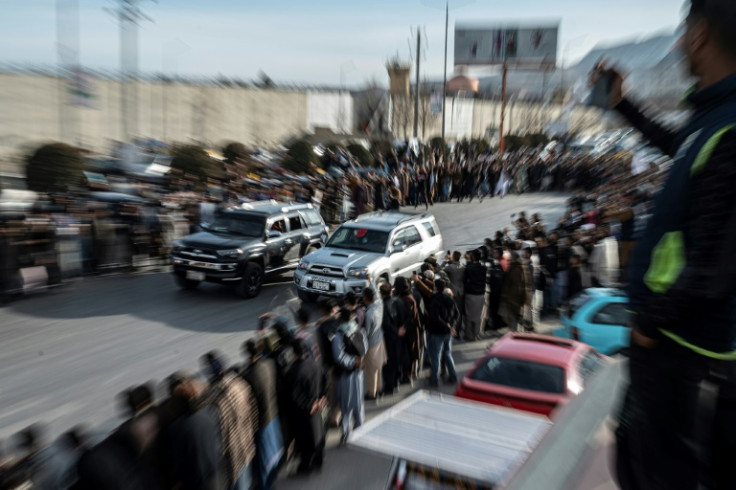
[(184, 283), (306, 296), (250, 285)]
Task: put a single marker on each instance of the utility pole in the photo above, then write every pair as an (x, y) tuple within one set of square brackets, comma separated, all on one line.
[(129, 15), (502, 141), (444, 73), (416, 91), (67, 44)]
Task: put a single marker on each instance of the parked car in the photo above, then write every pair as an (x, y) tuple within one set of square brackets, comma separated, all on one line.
[(534, 373), (599, 318), (244, 245), (369, 250)]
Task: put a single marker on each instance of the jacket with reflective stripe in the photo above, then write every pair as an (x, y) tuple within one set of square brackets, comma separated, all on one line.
[(672, 290)]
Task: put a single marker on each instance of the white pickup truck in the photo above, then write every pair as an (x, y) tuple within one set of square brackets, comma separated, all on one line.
[(368, 250)]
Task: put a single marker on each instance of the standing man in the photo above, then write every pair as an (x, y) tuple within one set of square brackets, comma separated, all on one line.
[(375, 358), (193, 442), (443, 317), (475, 296), (349, 375), (237, 411), (393, 326), (326, 326), (682, 281), (540, 283), (574, 278), (548, 261), (305, 333), (308, 395), (513, 293), (456, 273), (261, 376), (563, 263), (531, 272), (495, 283)]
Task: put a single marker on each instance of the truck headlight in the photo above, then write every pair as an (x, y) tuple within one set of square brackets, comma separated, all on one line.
[(359, 272), (303, 265), (235, 252)]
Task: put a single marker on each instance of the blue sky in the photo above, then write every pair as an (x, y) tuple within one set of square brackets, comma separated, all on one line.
[(309, 41)]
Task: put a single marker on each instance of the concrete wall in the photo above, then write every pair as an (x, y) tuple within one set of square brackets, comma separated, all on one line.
[(475, 118), (175, 112), (30, 113), (330, 110)]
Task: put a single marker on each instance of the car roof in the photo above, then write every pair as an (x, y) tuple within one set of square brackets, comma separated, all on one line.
[(268, 208), (386, 220), (538, 348)]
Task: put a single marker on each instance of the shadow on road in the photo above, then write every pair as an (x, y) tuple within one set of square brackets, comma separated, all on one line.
[(156, 298)]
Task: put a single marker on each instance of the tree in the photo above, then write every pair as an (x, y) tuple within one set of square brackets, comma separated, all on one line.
[(234, 152), (479, 146), (264, 81), (381, 147), (194, 163), (437, 143), (363, 155), (55, 167), (300, 157)]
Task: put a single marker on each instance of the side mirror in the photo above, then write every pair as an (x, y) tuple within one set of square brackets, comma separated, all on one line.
[(274, 233), (397, 247)]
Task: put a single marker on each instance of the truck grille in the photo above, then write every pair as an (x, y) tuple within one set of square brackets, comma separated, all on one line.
[(326, 271), (198, 253)]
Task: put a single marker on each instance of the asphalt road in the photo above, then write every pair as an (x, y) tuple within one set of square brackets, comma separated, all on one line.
[(66, 354)]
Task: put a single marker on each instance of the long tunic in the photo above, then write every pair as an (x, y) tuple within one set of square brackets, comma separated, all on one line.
[(349, 382)]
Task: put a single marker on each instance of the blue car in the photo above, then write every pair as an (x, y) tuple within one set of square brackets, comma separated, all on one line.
[(597, 317)]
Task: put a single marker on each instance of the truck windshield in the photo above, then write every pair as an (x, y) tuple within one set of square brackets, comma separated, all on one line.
[(352, 238), (238, 224)]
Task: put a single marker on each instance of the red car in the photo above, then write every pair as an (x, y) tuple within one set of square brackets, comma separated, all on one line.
[(534, 373)]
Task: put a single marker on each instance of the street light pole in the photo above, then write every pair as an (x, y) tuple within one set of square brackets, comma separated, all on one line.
[(416, 94), (444, 73)]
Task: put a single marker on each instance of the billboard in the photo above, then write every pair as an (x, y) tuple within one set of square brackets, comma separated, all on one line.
[(530, 48)]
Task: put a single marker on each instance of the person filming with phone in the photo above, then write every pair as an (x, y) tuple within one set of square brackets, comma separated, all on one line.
[(682, 287)]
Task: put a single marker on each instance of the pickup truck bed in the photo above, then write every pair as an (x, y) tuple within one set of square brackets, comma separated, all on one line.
[(464, 440)]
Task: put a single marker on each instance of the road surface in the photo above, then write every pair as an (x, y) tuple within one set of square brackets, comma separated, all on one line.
[(67, 353)]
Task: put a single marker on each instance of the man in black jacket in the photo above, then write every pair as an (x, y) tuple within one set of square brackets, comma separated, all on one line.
[(194, 441), (394, 328), (261, 375), (325, 328), (548, 260), (308, 391), (443, 318), (574, 278), (682, 280)]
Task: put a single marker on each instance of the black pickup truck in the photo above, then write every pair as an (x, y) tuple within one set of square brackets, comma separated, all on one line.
[(244, 245)]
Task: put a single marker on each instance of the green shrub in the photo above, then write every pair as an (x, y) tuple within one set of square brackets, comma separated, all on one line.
[(194, 163), (235, 151), (363, 155), (300, 157), (55, 167)]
